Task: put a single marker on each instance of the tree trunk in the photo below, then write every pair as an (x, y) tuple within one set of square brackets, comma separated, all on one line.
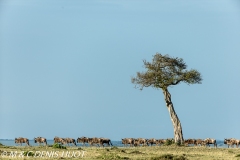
[(178, 136)]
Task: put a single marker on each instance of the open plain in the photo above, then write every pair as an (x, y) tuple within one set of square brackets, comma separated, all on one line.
[(136, 153)]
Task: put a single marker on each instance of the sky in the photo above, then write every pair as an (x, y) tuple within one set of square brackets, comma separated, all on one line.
[(66, 68)]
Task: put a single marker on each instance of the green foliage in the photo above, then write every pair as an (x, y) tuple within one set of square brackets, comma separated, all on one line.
[(165, 71), (1, 144), (169, 157), (57, 145), (28, 153), (169, 142)]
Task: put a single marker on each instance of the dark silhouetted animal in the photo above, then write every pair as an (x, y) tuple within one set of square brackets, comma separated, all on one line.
[(105, 141)]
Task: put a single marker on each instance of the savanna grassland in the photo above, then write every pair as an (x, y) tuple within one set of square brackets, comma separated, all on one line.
[(135, 153)]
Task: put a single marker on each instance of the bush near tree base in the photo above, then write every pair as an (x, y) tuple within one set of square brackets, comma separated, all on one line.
[(57, 145)]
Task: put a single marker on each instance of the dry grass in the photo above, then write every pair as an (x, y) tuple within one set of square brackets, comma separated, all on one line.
[(135, 153)]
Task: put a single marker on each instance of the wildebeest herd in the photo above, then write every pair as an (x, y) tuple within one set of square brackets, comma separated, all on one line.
[(84, 140), (153, 141), (131, 142), (201, 142)]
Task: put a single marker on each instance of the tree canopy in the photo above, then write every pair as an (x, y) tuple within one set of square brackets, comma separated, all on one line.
[(165, 71)]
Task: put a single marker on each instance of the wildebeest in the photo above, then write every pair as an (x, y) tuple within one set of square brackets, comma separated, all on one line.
[(231, 142), (40, 140), (127, 141), (199, 142), (22, 140), (160, 141), (151, 141), (94, 141), (189, 141), (228, 142), (235, 142), (82, 140), (68, 141), (209, 141), (57, 140), (140, 141), (105, 141)]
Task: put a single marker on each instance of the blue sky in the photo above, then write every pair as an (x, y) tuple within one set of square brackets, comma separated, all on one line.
[(66, 68)]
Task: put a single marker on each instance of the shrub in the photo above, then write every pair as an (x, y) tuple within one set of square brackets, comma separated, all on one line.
[(28, 153), (57, 145), (169, 142)]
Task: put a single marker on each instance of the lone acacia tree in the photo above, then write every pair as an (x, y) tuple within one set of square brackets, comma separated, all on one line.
[(162, 72)]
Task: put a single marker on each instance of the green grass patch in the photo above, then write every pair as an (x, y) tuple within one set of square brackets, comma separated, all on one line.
[(28, 153), (57, 145)]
